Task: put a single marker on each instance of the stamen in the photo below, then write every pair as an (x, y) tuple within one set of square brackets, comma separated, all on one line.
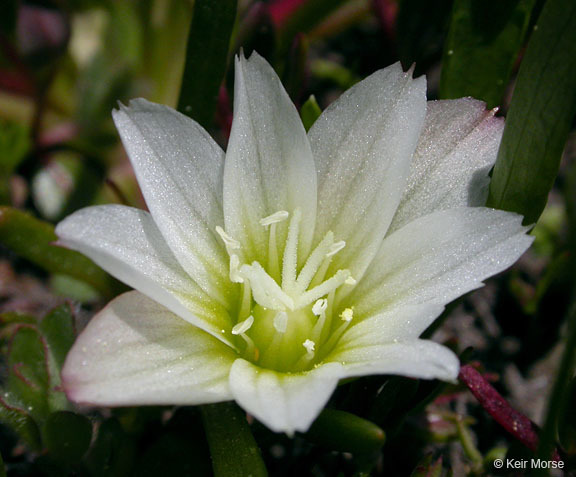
[(310, 351), (230, 242), (272, 220), (335, 248), (290, 260), (276, 217), (320, 307), (314, 262), (246, 304), (347, 314), (310, 346), (265, 290), (281, 322), (323, 289), (350, 280), (235, 276), (243, 326)]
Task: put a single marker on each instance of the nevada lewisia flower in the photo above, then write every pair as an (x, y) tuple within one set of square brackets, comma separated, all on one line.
[(268, 273)]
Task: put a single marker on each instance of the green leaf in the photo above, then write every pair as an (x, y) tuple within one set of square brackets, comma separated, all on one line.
[(67, 436), (232, 447), (14, 145), (19, 421), (310, 112), (206, 58), (483, 42), (34, 240), (28, 377), (58, 329), (540, 115), (421, 27), (345, 432)]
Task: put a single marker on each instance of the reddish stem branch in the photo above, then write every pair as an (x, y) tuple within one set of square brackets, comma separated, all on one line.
[(503, 413)]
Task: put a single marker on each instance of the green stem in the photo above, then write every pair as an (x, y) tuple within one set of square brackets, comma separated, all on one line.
[(233, 449)]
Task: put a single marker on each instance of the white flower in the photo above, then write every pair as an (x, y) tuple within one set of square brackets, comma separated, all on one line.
[(266, 274)]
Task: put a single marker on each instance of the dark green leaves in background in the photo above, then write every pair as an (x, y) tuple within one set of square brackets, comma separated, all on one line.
[(540, 116), (206, 58), (483, 43)]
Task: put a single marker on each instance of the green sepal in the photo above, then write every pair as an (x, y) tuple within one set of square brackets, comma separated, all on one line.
[(233, 449), (346, 432), (310, 112)]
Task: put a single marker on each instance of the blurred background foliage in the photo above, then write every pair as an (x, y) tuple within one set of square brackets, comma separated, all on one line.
[(64, 65)]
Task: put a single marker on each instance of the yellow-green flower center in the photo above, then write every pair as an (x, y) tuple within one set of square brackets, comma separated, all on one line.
[(287, 319)]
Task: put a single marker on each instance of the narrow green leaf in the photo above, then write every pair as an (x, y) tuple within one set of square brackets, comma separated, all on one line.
[(345, 432), (540, 115), (483, 42), (420, 30), (206, 58), (233, 449), (310, 112), (67, 436), (58, 329), (34, 240)]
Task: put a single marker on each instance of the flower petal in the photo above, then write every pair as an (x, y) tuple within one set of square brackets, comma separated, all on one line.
[(126, 243), (269, 164), (283, 402), (179, 169), (363, 145), (439, 257), (415, 358), (137, 352), (457, 148), (393, 325)]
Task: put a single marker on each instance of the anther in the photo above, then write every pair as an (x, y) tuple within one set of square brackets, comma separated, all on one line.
[(243, 326), (320, 306), (347, 314), (350, 280), (310, 347), (276, 217)]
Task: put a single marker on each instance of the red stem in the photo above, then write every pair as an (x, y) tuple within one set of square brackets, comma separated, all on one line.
[(503, 413)]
